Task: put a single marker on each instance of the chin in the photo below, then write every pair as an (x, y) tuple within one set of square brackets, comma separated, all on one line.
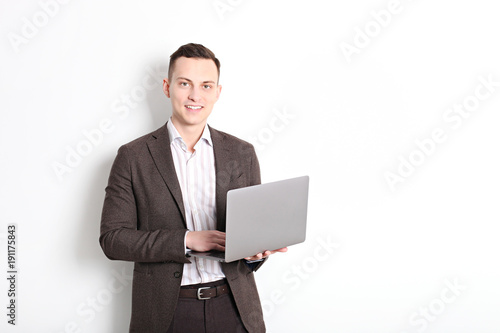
[(194, 121)]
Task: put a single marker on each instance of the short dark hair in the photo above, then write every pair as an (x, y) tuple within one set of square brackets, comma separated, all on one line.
[(192, 50)]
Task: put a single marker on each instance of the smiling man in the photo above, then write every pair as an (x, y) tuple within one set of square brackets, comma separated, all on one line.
[(166, 194)]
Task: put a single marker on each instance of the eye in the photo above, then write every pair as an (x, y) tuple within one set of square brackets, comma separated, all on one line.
[(207, 86), (184, 84)]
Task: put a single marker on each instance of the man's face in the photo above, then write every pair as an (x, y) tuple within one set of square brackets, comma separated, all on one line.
[(193, 91)]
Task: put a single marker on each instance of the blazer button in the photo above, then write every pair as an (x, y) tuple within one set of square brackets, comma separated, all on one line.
[(177, 274)]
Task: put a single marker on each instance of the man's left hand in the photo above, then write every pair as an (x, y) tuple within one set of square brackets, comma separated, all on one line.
[(265, 254)]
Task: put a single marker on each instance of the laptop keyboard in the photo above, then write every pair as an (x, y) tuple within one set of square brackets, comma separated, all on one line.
[(221, 255)]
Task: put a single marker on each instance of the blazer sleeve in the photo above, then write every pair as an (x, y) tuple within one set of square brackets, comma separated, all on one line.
[(120, 238)]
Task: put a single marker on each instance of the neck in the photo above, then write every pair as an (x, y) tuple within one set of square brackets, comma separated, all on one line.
[(189, 133)]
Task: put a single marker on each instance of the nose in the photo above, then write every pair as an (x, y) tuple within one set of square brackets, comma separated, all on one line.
[(194, 94)]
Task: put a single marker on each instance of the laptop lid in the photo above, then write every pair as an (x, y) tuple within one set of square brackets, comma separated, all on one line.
[(266, 217), (263, 217)]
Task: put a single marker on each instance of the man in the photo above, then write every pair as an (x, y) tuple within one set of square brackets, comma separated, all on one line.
[(167, 194)]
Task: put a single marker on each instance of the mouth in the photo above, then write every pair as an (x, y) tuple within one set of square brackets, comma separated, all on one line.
[(193, 107)]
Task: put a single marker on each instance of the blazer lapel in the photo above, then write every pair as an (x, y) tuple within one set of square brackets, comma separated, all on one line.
[(222, 157), (159, 147)]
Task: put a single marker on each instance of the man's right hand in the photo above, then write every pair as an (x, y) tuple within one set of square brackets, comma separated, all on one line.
[(206, 240)]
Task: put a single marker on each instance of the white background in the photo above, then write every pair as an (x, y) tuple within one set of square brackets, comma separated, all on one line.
[(393, 253)]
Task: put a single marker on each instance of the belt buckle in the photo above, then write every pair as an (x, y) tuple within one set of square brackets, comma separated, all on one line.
[(198, 293)]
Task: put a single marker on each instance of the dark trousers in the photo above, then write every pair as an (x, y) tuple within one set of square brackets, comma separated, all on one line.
[(215, 315)]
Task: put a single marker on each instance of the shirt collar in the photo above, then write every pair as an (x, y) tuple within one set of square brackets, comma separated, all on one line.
[(173, 134)]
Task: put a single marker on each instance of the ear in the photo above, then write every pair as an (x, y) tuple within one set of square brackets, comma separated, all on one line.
[(219, 88), (166, 87)]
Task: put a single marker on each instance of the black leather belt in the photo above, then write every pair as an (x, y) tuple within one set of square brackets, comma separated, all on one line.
[(203, 293)]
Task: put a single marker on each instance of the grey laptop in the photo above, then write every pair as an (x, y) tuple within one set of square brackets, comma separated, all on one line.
[(263, 217)]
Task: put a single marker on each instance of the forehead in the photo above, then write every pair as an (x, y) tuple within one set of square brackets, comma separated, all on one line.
[(195, 69)]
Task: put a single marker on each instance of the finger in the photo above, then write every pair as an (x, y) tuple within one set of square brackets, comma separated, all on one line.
[(283, 249), (219, 236), (255, 257), (219, 241), (216, 237), (268, 253), (219, 248)]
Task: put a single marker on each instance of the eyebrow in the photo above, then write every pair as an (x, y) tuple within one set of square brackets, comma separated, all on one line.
[(185, 78)]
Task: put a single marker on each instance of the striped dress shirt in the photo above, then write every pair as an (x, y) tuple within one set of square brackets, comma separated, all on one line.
[(196, 175)]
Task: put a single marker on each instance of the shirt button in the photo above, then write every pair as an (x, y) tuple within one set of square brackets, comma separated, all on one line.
[(177, 274)]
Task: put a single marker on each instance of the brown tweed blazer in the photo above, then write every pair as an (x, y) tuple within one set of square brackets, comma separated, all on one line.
[(143, 221)]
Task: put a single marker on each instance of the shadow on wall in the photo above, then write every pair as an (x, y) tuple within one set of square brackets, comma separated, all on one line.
[(115, 291)]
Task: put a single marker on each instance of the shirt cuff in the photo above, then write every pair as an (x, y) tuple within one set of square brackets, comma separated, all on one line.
[(252, 261), (186, 250)]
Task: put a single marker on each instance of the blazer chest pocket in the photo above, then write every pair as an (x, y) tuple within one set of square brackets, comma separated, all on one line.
[(238, 181)]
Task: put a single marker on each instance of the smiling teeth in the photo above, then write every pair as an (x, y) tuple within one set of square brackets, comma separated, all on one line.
[(193, 107)]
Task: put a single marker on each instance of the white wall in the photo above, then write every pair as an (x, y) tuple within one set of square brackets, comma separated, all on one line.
[(416, 253)]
